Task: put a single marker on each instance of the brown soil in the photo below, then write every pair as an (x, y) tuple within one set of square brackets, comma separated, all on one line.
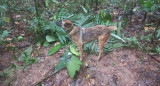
[(121, 67)]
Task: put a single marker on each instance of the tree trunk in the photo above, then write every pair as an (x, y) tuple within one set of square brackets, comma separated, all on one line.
[(96, 4), (144, 19)]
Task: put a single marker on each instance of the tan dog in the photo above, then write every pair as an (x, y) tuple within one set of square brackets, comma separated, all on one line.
[(85, 35)]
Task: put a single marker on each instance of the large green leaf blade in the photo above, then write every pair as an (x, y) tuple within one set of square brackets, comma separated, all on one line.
[(27, 52), (50, 38), (73, 50), (84, 9), (73, 65), (116, 36), (54, 49), (62, 63)]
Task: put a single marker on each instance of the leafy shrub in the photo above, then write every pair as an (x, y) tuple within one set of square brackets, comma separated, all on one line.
[(70, 61), (149, 5), (3, 35), (26, 57), (133, 42)]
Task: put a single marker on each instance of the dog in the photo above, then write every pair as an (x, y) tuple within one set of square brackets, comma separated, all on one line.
[(82, 36)]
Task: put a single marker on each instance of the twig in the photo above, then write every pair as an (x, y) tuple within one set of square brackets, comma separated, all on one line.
[(152, 57), (45, 78)]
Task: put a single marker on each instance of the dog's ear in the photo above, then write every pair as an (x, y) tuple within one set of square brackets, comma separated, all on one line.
[(68, 25)]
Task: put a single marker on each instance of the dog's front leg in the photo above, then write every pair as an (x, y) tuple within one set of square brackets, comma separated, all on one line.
[(80, 47), (81, 51)]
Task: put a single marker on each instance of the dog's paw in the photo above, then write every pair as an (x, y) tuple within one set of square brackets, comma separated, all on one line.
[(98, 58), (81, 59)]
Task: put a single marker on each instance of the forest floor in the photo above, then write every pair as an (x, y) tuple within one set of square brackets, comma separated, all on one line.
[(120, 67)]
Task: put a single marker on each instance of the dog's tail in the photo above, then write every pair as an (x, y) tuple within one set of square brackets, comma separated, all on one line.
[(112, 28)]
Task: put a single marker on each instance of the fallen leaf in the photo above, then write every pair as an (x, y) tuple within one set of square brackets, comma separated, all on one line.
[(149, 28), (16, 22), (115, 13), (122, 64), (17, 16)]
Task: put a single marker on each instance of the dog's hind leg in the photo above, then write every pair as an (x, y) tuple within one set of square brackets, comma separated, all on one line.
[(102, 41)]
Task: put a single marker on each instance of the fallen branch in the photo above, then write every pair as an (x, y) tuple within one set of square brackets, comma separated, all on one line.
[(152, 57)]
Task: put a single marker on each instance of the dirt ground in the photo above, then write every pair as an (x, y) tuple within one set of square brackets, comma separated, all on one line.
[(121, 67)]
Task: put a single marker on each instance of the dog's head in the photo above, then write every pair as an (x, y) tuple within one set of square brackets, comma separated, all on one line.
[(66, 24)]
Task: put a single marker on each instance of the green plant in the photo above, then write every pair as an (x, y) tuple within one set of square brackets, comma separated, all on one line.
[(133, 42), (70, 61), (26, 57), (146, 38), (3, 35), (62, 63), (149, 5), (8, 73), (20, 38), (73, 65), (49, 39), (55, 48), (74, 50)]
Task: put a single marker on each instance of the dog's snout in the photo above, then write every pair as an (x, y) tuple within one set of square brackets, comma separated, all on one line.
[(59, 23)]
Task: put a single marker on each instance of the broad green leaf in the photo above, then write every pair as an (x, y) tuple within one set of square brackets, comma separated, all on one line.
[(135, 9), (73, 65), (50, 38), (26, 52), (148, 3), (73, 50), (38, 43), (140, 2), (116, 36), (54, 49), (20, 37), (146, 9), (45, 44), (7, 19), (4, 34), (62, 63), (153, 8), (47, 2)]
